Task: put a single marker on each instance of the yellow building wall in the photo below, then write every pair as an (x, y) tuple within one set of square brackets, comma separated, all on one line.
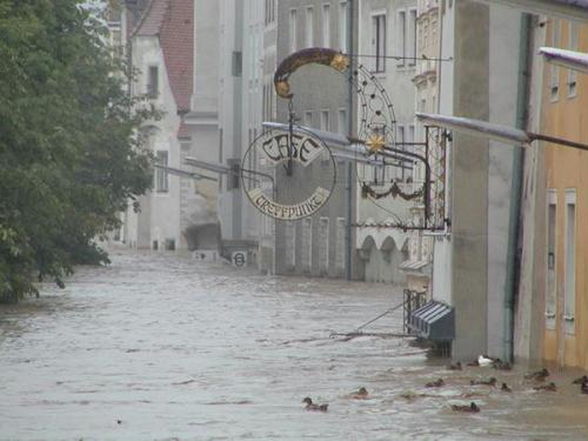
[(567, 168)]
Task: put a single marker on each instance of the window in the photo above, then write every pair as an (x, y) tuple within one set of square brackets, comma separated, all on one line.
[(399, 173), (308, 118), (153, 82), (292, 29), (325, 125), (307, 243), (573, 44), (554, 69), (401, 26), (323, 249), (343, 26), (161, 177), (270, 11), (309, 34), (379, 42), (291, 244), (570, 262), (326, 25), (551, 294), (340, 246), (412, 37), (342, 121)]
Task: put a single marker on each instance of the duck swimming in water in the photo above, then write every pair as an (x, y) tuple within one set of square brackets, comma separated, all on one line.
[(485, 381), (584, 387), (484, 360), (360, 394), (583, 379), (455, 367), (436, 383), (472, 407), (538, 375), (505, 388), (501, 365), (551, 387), (316, 407)]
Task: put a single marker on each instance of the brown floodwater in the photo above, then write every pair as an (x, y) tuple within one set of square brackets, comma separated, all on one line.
[(162, 347)]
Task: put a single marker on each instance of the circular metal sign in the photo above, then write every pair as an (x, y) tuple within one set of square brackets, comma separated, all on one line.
[(288, 176)]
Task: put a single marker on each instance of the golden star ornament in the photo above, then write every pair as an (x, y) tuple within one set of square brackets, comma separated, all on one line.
[(375, 143)]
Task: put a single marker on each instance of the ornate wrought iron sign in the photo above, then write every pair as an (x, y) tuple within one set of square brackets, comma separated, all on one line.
[(302, 165), (290, 174)]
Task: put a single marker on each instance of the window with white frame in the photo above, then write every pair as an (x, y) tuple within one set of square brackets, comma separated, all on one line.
[(291, 245), (340, 246), (573, 45), (554, 69), (325, 123), (379, 42), (308, 118), (270, 11), (412, 37), (293, 28), (323, 249), (400, 139), (342, 121), (161, 177), (309, 29), (343, 26), (153, 81), (401, 37), (326, 25), (551, 293), (307, 243), (570, 263)]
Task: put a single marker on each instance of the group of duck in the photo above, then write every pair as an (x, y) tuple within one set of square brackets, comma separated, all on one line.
[(360, 394), (537, 378)]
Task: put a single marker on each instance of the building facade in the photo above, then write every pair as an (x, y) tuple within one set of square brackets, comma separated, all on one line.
[(181, 211), (565, 250), (318, 245), (387, 28), (473, 260)]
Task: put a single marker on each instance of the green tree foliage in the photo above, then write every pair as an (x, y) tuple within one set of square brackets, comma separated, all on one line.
[(69, 159)]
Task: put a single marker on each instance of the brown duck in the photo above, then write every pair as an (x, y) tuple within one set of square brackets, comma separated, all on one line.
[(472, 407), (455, 366), (360, 394), (315, 407), (538, 375), (485, 381), (583, 379), (551, 387), (505, 388), (436, 383), (502, 365)]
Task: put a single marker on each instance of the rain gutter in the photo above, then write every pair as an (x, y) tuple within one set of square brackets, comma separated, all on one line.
[(514, 228)]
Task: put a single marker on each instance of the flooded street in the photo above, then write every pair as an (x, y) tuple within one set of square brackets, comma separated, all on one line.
[(161, 347)]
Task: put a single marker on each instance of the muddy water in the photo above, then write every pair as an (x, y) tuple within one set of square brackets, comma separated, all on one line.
[(159, 347)]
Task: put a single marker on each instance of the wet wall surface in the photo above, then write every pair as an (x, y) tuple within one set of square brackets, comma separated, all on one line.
[(161, 347)]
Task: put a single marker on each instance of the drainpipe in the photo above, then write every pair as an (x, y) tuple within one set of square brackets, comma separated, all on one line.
[(514, 236), (349, 187)]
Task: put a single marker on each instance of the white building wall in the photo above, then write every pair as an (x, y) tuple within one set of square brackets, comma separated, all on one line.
[(442, 257), (504, 45), (251, 112), (159, 219), (396, 79), (203, 119)]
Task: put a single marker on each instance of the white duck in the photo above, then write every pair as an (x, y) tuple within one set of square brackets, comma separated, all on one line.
[(484, 360)]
